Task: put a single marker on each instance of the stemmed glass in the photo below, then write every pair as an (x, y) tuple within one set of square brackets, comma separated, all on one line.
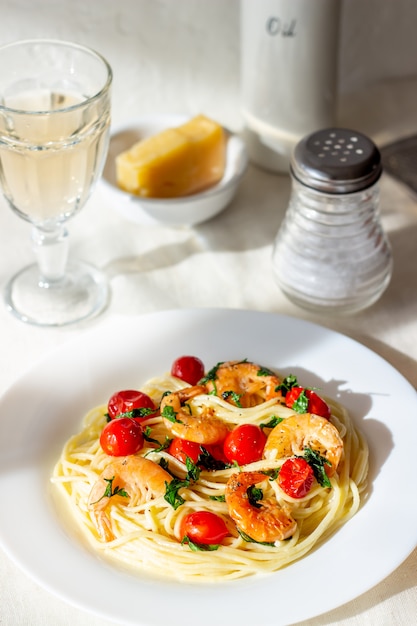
[(54, 133)]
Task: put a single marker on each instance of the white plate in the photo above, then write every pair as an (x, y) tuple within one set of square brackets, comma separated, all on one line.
[(186, 210), (47, 404)]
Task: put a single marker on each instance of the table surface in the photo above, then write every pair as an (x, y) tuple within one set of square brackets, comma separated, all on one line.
[(225, 262)]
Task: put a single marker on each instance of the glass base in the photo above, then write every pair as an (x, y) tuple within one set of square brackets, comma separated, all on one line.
[(336, 306), (82, 293)]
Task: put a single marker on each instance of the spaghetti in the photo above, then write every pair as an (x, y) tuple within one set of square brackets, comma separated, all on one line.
[(145, 525)]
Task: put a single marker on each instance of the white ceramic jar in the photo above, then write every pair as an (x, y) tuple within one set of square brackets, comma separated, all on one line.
[(289, 56)]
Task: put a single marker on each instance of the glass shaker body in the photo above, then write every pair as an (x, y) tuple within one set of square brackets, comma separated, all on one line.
[(331, 253)]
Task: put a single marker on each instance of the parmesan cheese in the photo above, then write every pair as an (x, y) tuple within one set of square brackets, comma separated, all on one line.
[(176, 162)]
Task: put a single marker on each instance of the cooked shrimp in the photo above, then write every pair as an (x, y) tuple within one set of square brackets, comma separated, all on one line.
[(204, 428), (297, 432), (264, 521), (132, 477), (251, 383)]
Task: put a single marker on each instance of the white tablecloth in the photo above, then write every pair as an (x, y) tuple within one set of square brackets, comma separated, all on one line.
[(226, 263)]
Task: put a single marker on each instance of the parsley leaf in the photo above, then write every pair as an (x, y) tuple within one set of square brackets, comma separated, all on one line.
[(164, 464), (110, 492), (272, 422), (160, 446), (169, 414), (171, 492), (211, 374), (141, 412), (208, 461), (264, 371), (234, 396), (317, 463), (288, 383), (248, 539), (203, 547), (164, 445), (147, 436), (301, 404), (221, 498), (254, 495), (272, 473), (193, 472)]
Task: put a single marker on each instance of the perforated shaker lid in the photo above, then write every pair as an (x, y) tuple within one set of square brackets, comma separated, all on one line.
[(336, 160)]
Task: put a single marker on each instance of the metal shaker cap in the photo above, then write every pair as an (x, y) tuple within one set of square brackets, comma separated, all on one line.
[(337, 161)]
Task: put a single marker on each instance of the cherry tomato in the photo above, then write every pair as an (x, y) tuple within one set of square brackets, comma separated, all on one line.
[(244, 444), (203, 527), (127, 400), (295, 477), (188, 368), (122, 437), (181, 448), (314, 404)]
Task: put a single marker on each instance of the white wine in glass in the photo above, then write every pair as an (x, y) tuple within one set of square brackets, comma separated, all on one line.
[(54, 133)]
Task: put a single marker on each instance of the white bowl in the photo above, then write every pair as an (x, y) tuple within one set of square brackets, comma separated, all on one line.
[(187, 210)]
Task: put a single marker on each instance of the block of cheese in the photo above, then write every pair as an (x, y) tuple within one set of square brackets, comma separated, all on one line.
[(176, 162)]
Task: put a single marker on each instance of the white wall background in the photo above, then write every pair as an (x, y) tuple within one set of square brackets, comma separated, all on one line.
[(183, 55)]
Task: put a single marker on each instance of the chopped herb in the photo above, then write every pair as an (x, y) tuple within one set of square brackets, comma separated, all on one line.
[(196, 547), (317, 463), (169, 414), (193, 472), (141, 412), (264, 371), (288, 383), (164, 445), (160, 446), (171, 492), (254, 495), (301, 404), (208, 461), (221, 498), (110, 492), (272, 422), (147, 436), (272, 473), (246, 537), (211, 374), (164, 464), (234, 396)]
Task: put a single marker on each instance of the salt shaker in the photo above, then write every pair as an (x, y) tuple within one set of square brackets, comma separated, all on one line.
[(331, 253), (289, 60)]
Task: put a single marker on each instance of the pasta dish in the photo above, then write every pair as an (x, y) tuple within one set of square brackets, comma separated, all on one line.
[(208, 475)]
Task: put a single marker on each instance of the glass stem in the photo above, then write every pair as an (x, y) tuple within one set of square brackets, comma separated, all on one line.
[(51, 251)]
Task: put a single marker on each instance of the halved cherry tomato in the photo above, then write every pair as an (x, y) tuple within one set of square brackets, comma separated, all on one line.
[(244, 444), (122, 437), (313, 404), (203, 527), (296, 477), (127, 400), (190, 369), (181, 448)]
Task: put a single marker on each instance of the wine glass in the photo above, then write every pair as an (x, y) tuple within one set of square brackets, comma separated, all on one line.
[(54, 135)]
